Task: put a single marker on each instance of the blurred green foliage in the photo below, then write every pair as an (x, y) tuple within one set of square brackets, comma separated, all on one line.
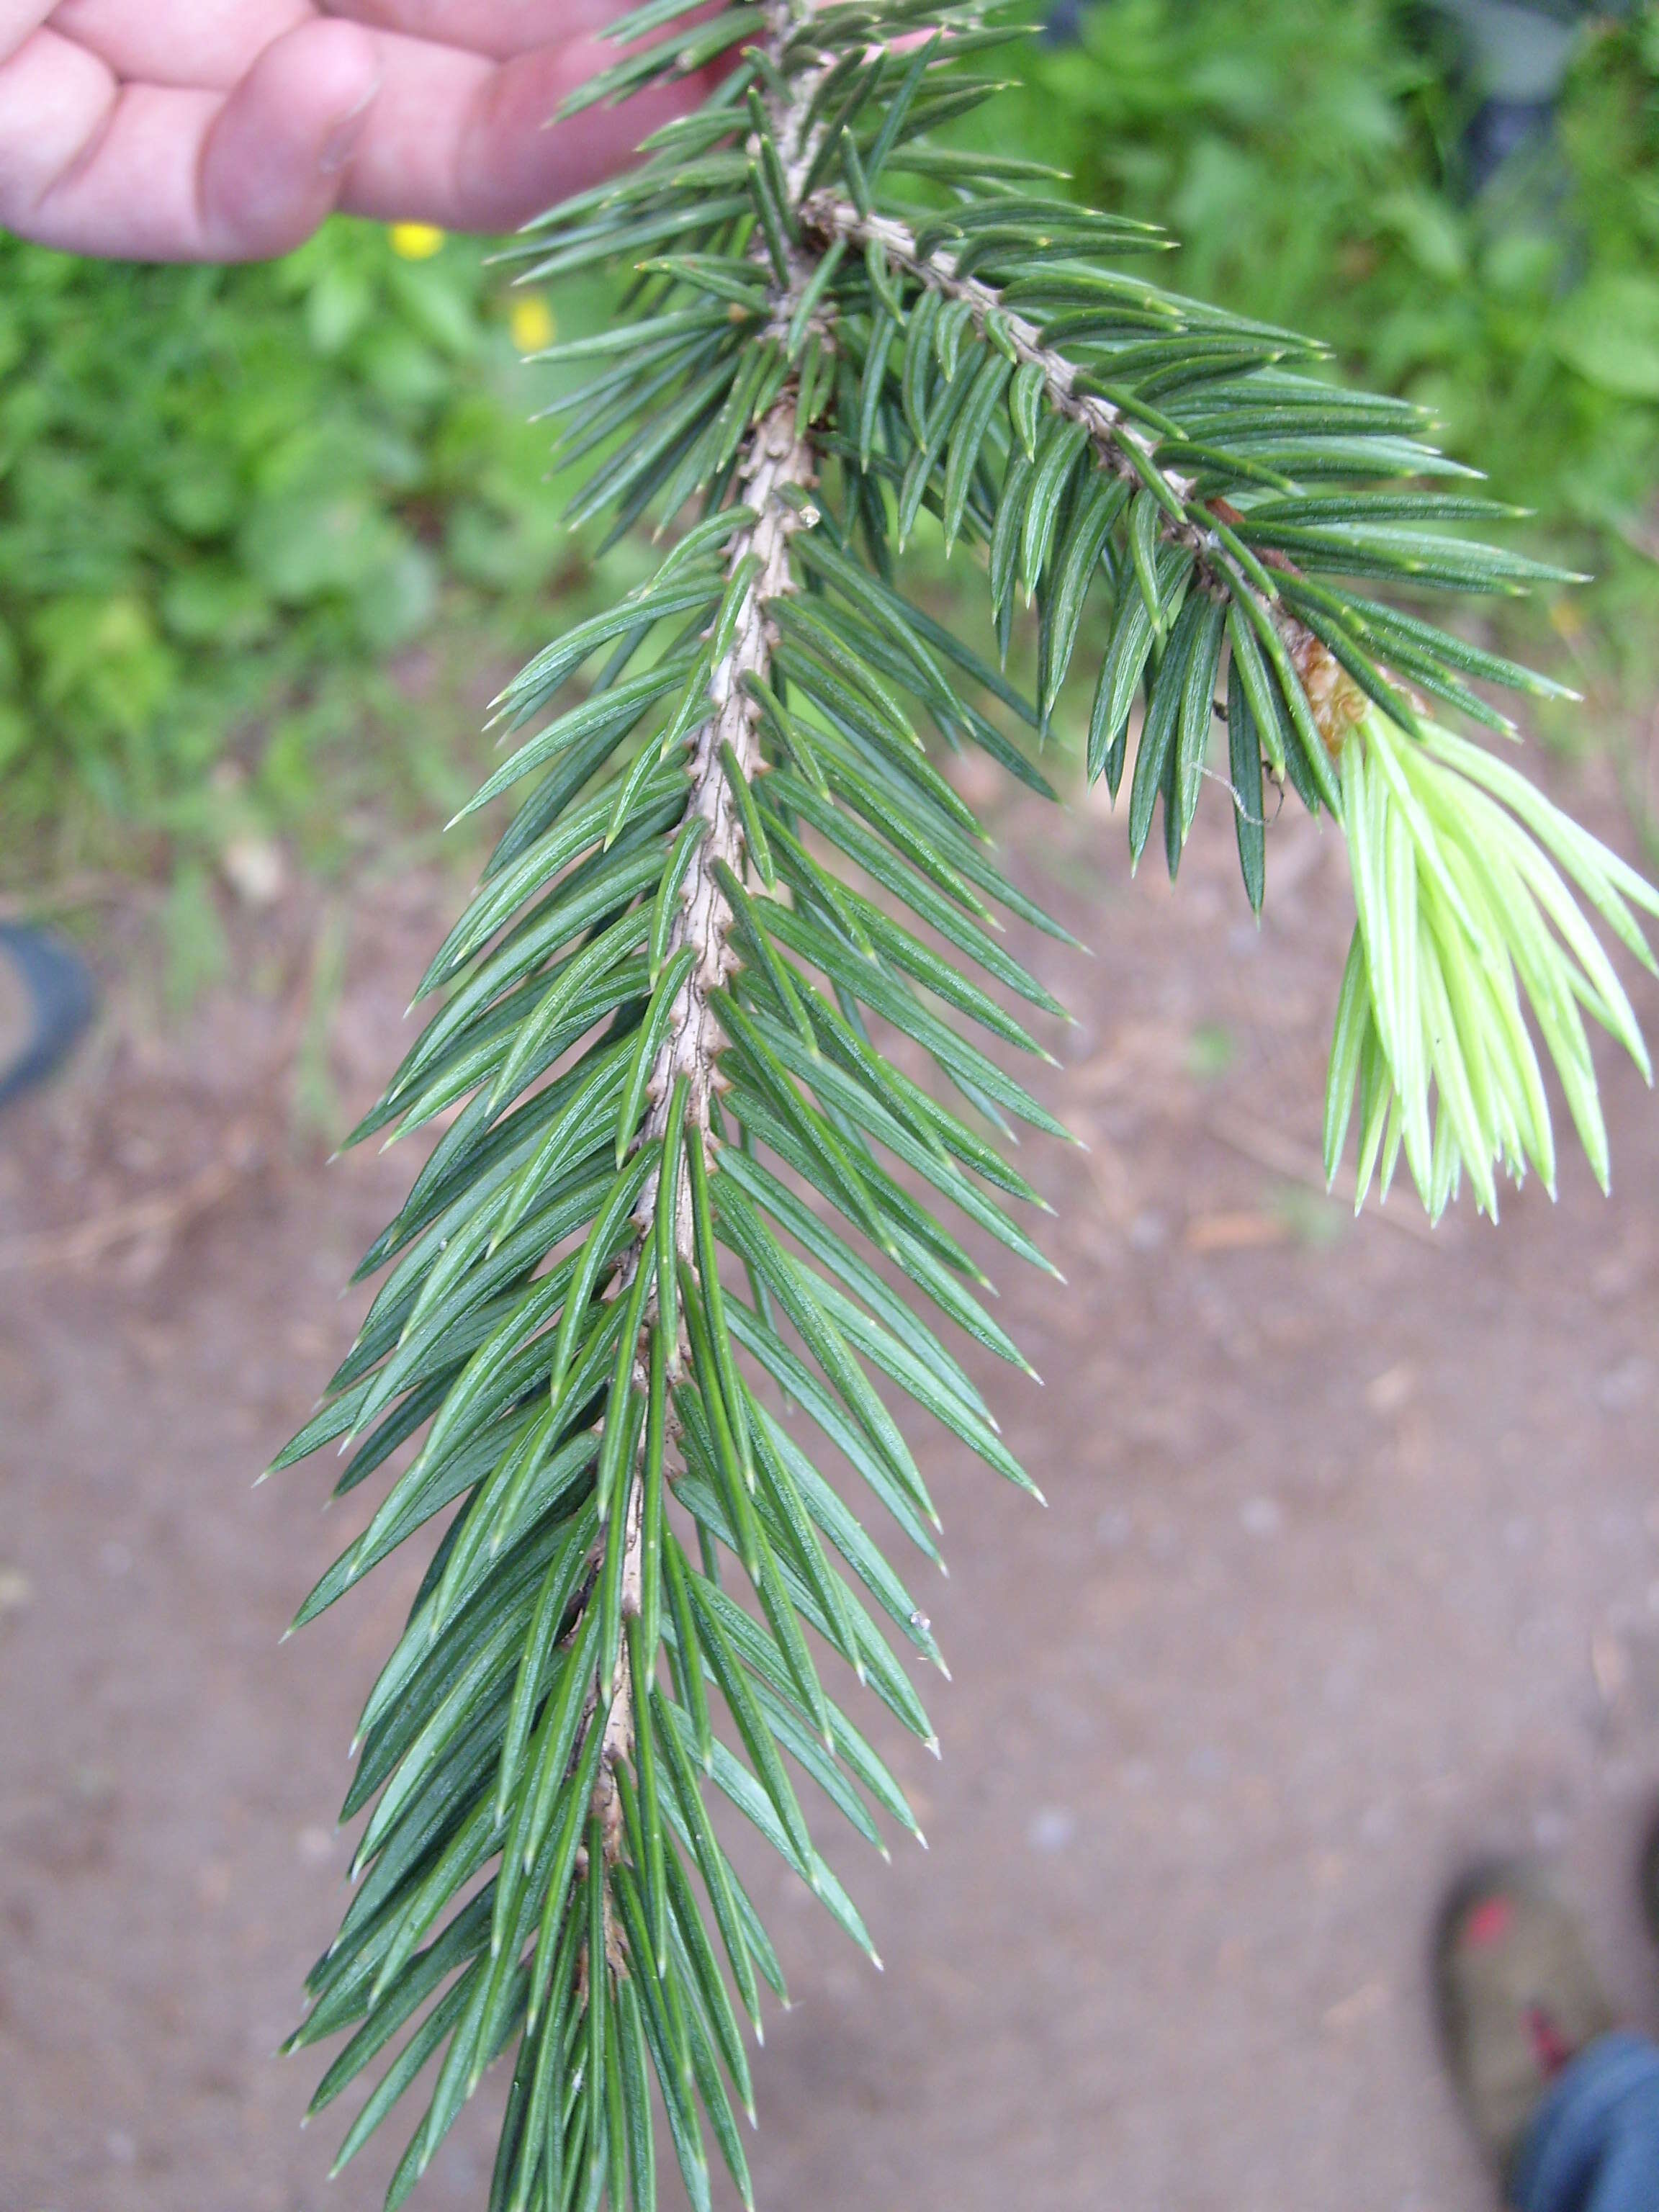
[(1305, 155), (267, 534), (229, 495)]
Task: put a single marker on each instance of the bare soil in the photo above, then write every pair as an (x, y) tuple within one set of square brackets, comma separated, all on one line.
[(1349, 1568)]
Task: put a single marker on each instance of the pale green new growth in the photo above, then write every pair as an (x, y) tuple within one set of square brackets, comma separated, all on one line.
[(689, 1226), (1466, 924)]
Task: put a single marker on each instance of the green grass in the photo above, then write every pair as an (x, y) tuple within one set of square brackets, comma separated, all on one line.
[(263, 534), (1305, 156), (1302, 155)]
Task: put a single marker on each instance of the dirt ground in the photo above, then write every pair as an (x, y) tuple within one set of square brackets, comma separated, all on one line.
[(1350, 1569)]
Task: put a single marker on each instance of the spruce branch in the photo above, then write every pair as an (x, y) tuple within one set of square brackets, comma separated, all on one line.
[(646, 1279)]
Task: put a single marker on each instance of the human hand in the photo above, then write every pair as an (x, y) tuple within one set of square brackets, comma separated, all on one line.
[(227, 129)]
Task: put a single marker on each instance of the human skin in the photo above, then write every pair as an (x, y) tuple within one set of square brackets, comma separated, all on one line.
[(227, 129)]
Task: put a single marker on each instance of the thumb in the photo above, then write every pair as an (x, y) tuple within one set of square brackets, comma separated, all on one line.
[(272, 165)]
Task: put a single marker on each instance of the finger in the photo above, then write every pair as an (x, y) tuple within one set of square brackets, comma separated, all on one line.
[(456, 140), (204, 43), (56, 100), (495, 28), (277, 159), (160, 173), (19, 22)]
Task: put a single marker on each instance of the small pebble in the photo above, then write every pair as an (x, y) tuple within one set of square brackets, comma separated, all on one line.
[(1050, 1829)]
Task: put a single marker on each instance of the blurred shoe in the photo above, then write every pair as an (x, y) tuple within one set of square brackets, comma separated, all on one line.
[(1497, 133), (1064, 24), (1517, 1997), (1647, 1879), (1515, 56), (47, 998)]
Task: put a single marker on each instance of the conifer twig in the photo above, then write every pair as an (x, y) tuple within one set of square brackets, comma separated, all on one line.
[(662, 1053), (776, 460)]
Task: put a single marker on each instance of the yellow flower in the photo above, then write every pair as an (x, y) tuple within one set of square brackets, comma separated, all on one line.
[(532, 324), (416, 241)]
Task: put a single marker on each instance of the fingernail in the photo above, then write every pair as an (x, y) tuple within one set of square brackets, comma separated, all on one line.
[(342, 142)]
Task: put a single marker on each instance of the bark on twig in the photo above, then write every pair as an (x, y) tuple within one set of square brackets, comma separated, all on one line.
[(777, 462)]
